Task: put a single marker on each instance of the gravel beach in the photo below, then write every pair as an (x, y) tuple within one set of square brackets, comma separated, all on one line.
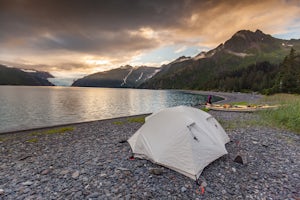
[(92, 161)]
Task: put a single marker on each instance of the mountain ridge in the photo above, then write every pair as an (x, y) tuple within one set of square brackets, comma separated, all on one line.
[(243, 49), (122, 77), (16, 76)]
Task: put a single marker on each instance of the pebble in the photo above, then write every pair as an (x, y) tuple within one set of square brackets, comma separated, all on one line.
[(45, 172), (203, 184), (75, 174), (64, 172), (156, 171), (241, 159), (27, 183), (107, 173), (123, 169), (208, 189), (93, 195), (183, 189)]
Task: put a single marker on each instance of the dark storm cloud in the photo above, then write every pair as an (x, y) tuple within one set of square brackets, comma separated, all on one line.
[(82, 25), (49, 31), (106, 14), (113, 42)]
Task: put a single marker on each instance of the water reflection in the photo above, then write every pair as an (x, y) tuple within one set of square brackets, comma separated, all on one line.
[(23, 107)]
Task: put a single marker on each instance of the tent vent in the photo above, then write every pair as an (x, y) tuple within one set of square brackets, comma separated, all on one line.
[(190, 129)]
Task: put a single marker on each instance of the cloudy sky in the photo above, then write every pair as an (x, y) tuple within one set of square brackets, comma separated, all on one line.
[(77, 37)]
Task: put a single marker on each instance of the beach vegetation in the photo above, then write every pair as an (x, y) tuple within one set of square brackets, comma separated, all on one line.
[(6, 138), (205, 109), (32, 140), (118, 122), (130, 120), (233, 124), (287, 115), (54, 131), (240, 103), (136, 120)]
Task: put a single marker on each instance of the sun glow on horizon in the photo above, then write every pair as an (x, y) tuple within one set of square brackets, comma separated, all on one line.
[(92, 61), (73, 39)]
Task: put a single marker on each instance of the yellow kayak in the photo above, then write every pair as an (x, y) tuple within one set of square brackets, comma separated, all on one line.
[(238, 108)]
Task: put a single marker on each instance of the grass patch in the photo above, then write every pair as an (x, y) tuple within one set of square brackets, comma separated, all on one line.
[(136, 120), (54, 131), (33, 140), (240, 103), (130, 120), (229, 125), (6, 138), (205, 109), (118, 123), (287, 115)]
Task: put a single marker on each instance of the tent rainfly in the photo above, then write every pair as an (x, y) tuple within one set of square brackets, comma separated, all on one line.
[(181, 138)]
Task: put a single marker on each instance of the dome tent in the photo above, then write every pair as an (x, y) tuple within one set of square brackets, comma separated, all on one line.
[(181, 138)]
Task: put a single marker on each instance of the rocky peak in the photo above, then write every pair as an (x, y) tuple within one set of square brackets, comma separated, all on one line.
[(259, 32), (126, 67), (249, 35), (183, 57), (245, 39)]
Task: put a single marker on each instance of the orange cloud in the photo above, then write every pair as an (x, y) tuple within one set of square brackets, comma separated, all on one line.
[(60, 36), (217, 24)]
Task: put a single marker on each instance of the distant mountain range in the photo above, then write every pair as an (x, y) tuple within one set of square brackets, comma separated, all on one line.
[(245, 48), (248, 61), (125, 76), (15, 76)]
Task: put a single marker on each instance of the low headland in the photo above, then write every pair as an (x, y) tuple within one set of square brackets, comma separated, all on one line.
[(92, 161)]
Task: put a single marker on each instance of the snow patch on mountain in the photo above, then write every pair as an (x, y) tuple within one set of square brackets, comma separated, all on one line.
[(199, 56), (125, 78), (28, 70), (181, 59), (211, 53), (287, 45), (140, 77), (155, 72), (242, 55)]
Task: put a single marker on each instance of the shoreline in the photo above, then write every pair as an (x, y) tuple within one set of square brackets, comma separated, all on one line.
[(227, 97), (92, 161), (230, 96), (71, 124)]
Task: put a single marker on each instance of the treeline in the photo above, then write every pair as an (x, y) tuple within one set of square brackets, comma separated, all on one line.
[(288, 78), (15, 76), (263, 77)]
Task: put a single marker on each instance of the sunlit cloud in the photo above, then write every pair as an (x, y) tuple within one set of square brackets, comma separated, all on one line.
[(90, 36), (92, 61), (145, 32), (219, 23), (181, 49)]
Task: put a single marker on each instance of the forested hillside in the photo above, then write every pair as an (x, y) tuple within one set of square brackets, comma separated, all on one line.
[(263, 77), (229, 66), (14, 76)]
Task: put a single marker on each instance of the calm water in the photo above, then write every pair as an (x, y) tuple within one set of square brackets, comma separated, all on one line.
[(24, 107)]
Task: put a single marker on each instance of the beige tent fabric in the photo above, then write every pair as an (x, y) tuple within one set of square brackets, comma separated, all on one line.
[(182, 138)]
